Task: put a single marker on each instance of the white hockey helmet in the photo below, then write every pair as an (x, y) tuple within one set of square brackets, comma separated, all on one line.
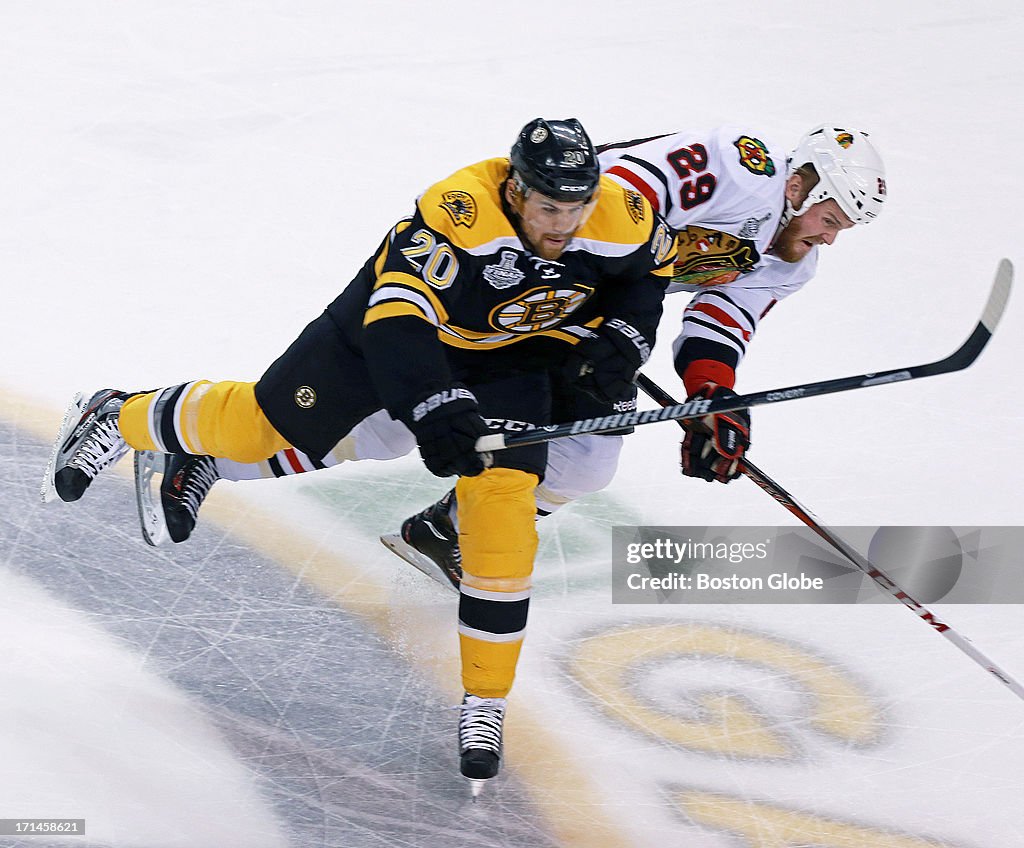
[(849, 169)]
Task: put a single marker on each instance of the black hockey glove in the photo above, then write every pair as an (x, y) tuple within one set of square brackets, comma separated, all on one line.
[(715, 444), (446, 425), (605, 364)]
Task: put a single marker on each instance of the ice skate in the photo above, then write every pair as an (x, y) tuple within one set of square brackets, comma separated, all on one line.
[(429, 542), (88, 442), (480, 748), (185, 482)]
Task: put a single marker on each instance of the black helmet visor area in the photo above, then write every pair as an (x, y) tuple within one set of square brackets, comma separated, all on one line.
[(557, 159)]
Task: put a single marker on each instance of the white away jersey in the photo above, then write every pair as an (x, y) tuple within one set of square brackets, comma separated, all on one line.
[(723, 192)]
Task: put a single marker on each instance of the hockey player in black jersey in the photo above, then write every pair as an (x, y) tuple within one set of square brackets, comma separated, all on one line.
[(515, 282)]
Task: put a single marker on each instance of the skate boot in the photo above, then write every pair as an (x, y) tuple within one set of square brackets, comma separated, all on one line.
[(186, 482), (429, 542), (480, 726), (88, 443)]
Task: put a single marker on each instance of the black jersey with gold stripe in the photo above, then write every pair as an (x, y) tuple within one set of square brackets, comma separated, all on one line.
[(459, 269)]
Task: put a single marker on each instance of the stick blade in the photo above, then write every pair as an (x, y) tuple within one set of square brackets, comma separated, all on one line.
[(998, 297), (971, 349)]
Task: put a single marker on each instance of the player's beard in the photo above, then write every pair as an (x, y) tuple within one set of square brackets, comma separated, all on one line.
[(541, 248), (790, 245)]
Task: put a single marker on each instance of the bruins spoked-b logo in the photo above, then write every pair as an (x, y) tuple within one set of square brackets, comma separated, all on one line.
[(754, 156), (461, 206), (538, 309), (305, 397)]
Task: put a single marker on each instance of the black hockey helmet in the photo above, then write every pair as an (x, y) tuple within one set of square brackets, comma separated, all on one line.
[(557, 159)]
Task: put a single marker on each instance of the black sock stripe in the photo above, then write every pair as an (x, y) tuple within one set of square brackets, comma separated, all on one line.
[(163, 412), (493, 616)]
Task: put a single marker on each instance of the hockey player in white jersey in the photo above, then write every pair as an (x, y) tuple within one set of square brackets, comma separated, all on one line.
[(750, 219)]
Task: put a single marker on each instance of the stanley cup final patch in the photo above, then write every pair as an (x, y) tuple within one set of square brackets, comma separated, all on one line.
[(505, 274)]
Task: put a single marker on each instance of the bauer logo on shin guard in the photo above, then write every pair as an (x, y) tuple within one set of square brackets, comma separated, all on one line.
[(305, 397)]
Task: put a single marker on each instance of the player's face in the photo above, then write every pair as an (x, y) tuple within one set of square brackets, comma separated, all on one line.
[(549, 224), (820, 224)]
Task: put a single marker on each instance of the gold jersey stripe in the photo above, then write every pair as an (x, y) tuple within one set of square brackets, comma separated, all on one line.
[(393, 309), (378, 265), (497, 341)]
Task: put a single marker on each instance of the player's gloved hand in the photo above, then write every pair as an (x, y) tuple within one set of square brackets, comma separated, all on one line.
[(715, 444), (446, 425), (605, 364)]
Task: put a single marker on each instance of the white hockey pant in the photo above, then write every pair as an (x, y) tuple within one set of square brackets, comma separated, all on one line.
[(577, 466)]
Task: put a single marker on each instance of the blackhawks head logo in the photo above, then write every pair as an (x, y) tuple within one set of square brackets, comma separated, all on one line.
[(754, 156), (710, 257), (461, 206)]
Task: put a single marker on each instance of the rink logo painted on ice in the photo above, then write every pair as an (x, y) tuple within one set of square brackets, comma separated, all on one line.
[(754, 156), (620, 667), (611, 665), (305, 397), (504, 274), (461, 206), (538, 309)]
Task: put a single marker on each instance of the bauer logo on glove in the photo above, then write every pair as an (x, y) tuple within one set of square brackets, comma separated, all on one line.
[(605, 364)]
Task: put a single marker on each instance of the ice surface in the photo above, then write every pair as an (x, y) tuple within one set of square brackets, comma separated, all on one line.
[(186, 185)]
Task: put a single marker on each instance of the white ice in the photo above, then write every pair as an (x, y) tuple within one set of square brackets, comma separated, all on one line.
[(183, 186)]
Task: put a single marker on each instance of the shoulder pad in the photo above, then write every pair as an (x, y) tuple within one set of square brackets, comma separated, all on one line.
[(747, 152), (466, 208), (621, 215)]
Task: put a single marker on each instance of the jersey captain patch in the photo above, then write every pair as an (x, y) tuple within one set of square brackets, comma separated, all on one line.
[(754, 156), (710, 257), (461, 206), (538, 309)]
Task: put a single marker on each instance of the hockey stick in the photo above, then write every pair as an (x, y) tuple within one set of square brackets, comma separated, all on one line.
[(881, 579), (956, 361)]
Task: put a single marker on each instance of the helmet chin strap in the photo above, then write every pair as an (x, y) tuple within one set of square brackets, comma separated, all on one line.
[(789, 212)]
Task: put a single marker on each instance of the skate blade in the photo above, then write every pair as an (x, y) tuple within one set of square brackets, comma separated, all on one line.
[(147, 496), (397, 545), (48, 490)]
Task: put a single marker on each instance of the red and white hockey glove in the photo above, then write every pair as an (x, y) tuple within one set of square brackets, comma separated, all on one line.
[(715, 444)]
